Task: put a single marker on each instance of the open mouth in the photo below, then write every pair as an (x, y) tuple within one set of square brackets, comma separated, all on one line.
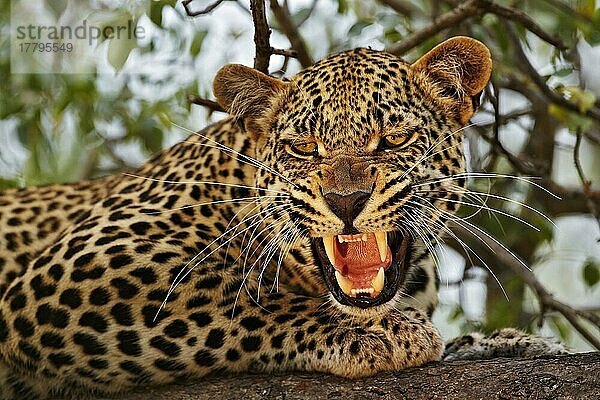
[(365, 269)]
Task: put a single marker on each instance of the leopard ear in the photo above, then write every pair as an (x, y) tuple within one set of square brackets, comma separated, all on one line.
[(247, 93), (459, 69)]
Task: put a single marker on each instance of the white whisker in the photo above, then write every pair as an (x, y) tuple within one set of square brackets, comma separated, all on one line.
[(176, 281), (482, 207), (203, 183), (433, 145), (462, 244), (243, 199), (227, 149), (487, 175)]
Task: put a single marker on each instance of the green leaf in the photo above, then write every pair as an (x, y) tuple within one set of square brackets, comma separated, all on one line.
[(342, 6), (8, 183), (563, 72), (164, 119), (591, 273), (456, 314), (586, 7), (357, 28), (156, 8), (301, 15), (501, 312), (151, 134), (573, 121), (564, 331), (196, 45), (584, 99), (593, 37), (119, 49), (392, 35)]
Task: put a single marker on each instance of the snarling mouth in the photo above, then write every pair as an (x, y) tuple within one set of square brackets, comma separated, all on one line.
[(365, 269)]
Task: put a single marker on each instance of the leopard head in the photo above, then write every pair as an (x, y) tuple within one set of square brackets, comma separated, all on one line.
[(361, 143)]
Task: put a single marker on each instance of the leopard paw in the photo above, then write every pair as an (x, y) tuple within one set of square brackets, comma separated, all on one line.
[(506, 342)]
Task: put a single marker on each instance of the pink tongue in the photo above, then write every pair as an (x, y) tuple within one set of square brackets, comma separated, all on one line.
[(358, 261)]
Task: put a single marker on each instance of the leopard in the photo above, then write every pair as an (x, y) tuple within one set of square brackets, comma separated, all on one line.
[(292, 235)]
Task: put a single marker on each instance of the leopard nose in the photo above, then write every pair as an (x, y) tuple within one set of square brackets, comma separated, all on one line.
[(347, 207)]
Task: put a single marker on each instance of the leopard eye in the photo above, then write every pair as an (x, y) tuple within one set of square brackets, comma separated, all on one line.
[(308, 149), (397, 140)]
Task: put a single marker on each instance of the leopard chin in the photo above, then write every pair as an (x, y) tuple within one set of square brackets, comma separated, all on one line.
[(364, 270)]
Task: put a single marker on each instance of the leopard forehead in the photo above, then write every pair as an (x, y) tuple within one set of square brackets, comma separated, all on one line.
[(348, 99)]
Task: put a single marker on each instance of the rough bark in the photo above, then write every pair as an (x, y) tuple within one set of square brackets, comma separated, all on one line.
[(559, 377)]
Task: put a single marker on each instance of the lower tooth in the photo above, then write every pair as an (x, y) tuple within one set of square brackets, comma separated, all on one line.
[(364, 290), (344, 283), (379, 280)]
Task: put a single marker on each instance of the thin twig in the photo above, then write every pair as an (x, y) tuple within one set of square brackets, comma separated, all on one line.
[(210, 104), (204, 11), (525, 167), (283, 52), (585, 183), (512, 116), (261, 36)]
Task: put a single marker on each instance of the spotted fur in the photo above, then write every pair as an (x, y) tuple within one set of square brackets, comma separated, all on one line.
[(86, 269)]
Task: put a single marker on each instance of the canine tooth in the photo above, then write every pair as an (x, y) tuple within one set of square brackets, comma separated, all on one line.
[(379, 281), (328, 243), (365, 237), (381, 238), (353, 292), (344, 283)]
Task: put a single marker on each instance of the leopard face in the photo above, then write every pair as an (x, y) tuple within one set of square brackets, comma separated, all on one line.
[(359, 146)]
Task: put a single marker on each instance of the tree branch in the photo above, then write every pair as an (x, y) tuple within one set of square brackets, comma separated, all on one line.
[(585, 183), (451, 18), (400, 6), (522, 18), (204, 11), (261, 36), (210, 104), (524, 64), (283, 52), (466, 10), (569, 376)]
